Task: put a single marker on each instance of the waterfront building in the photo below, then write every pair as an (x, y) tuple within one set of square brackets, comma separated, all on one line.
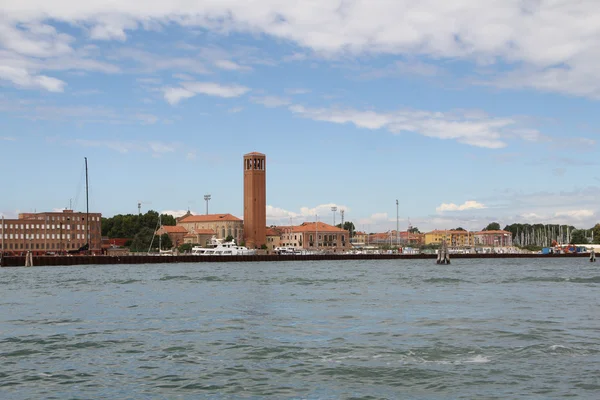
[(499, 238), (255, 200), (360, 238), (200, 237), (176, 233), (273, 238), (219, 225), (454, 238), (319, 236), (51, 232)]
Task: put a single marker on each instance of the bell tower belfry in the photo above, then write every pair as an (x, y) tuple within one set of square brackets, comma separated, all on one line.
[(255, 200)]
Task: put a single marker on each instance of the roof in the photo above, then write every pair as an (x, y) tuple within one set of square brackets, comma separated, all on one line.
[(500, 232), (448, 231), (173, 229), (317, 226), (203, 232), (254, 153), (273, 232), (209, 218)]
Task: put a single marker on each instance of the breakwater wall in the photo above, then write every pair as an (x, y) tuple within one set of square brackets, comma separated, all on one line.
[(42, 261)]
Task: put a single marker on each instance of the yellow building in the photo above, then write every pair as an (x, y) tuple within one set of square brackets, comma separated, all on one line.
[(273, 238), (453, 238), (437, 236)]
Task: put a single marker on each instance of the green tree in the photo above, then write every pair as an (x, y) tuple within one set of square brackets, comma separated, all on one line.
[(596, 233), (578, 237), (493, 226), (185, 248), (128, 225), (229, 238), (460, 228), (141, 241), (414, 229), (165, 242), (348, 226)]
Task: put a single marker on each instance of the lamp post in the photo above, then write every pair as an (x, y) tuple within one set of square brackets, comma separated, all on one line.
[(397, 223), (342, 224), (334, 209), (207, 199)]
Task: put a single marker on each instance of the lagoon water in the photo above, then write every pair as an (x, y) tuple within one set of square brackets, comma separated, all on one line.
[(394, 329)]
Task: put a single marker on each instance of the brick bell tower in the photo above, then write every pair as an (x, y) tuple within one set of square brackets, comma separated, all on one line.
[(255, 200)]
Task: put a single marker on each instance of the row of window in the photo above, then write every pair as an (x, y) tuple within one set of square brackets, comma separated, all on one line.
[(43, 246), (47, 227), (42, 236)]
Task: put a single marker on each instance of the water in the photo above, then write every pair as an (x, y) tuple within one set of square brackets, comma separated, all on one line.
[(313, 330)]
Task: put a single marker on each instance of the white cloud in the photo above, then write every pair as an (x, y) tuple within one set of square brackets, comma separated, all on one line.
[(520, 34), (177, 213), (270, 101), (231, 66), (464, 127), (295, 91), (155, 147), (112, 27), (22, 78), (280, 216), (576, 214), (8, 138), (467, 205), (175, 95), (151, 63), (409, 67), (190, 89)]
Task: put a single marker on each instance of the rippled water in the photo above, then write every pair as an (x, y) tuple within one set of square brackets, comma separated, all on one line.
[(313, 330)]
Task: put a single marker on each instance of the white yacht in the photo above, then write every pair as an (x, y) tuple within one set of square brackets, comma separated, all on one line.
[(218, 248)]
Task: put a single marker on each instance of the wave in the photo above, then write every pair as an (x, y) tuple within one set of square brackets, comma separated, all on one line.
[(305, 281), (125, 282), (175, 278), (555, 279), (445, 280)]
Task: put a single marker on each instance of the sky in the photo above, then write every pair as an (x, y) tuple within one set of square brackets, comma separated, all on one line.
[(465, 112)]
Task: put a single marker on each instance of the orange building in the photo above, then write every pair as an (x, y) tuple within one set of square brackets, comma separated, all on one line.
[(176, 233), (319, 236), (255, 200), (219, 225)]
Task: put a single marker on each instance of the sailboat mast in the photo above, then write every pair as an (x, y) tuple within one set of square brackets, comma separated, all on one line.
[(87, 207)]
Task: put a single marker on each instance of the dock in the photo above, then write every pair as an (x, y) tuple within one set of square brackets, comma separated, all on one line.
[(43, 261)]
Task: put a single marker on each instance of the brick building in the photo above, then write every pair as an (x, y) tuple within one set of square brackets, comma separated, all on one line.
[(314, 236), (220, 225), (50, 232), (255, 200), (175, 233)]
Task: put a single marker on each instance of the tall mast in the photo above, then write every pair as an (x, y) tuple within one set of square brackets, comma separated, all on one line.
[(87, 207)]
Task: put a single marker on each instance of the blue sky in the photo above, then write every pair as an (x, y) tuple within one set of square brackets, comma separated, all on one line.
[(465, 112)]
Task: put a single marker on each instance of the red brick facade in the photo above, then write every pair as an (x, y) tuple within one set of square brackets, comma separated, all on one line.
[(50, 232), (255, 200)]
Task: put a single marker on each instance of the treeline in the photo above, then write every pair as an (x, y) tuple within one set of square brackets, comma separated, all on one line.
[(129, 225), (544, 234)]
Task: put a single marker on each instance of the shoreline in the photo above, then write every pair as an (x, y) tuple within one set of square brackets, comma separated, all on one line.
[(44, 261)]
